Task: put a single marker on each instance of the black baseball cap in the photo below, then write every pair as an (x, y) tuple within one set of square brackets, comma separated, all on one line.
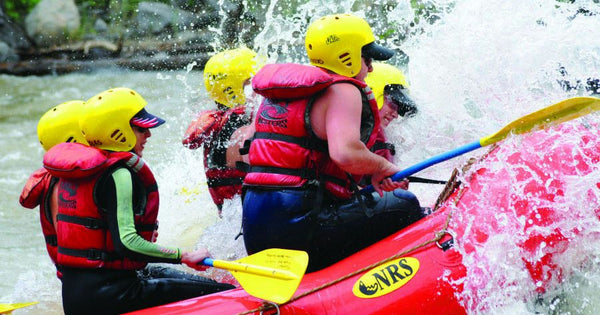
[(376, 52), (398, 94)]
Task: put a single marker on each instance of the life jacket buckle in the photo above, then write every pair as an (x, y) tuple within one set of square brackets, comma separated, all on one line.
[(93, 224), (96, 254)]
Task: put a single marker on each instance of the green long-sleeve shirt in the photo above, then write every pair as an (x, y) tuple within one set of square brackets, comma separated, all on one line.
[(120, 215)]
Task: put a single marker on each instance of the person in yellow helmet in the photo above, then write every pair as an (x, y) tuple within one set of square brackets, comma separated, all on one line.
[(314, 131), (57, 125), (221, 131), (107, 215), (390, 89)]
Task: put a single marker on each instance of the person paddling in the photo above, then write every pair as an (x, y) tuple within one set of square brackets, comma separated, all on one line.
[(107, 215), (314, 131), (59, 124), (222, 131), (389, 87)]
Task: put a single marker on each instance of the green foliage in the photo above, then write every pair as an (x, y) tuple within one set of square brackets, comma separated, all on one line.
[(425, 10), (18, 9)]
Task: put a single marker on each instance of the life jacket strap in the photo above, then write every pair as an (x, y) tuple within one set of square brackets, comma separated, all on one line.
[(218, 182), (90, 223), (98, 224), (305, 142), (304, 173), (91, 254), (51, 240), (384, 146)]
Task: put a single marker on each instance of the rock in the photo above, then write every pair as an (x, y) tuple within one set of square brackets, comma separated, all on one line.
[(198, 6), (52, 22), (157, 18), (7, 53), (11, 34), (100, 26)]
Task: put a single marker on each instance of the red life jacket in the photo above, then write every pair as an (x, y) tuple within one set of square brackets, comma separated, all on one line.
[(212, 129), (84, 240), (284, 151), (37, 192)]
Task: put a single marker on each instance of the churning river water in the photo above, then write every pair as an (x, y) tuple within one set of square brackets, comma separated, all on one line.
[(480, 66)]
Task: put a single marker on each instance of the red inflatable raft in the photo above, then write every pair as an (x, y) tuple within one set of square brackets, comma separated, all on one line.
[(506, 225)]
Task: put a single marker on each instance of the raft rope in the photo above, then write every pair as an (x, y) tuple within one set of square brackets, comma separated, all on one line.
[(451, 185), (438, 236)]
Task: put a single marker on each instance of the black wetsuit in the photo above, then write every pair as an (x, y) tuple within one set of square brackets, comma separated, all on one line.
[(112, 291)]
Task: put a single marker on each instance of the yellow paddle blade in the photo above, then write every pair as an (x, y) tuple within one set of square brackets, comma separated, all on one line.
[(552, 115), (8, 308), (272, 274)]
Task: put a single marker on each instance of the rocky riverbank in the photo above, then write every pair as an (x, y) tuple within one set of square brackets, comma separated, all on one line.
[(155, 36)]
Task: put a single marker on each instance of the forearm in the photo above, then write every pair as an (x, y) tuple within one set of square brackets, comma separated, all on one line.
[(356, 159), (135, 245), (151, 252)]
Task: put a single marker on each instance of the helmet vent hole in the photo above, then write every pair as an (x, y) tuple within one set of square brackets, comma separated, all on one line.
[(310, 46), (118, 136), (346, 59), (71, 140)]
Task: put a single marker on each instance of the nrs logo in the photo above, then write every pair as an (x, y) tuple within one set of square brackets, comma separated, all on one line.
[(386, 278)]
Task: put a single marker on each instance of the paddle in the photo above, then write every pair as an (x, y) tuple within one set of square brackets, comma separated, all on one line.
[(276, 283), (414, 179), (552, 115), (8, 308)]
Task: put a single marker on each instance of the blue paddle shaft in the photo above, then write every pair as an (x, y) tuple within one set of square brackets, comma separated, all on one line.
[(431, 161), (208, 262)]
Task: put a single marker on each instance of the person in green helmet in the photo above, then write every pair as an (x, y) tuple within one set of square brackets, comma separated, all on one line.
[(222, 131), (107, 215), (59, 124), (314, 131)]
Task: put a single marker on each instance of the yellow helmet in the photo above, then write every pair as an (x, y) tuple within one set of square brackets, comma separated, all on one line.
[(61, 124), (225, 74), (106, 119), (388, 81), (382, 75), (337, 42)]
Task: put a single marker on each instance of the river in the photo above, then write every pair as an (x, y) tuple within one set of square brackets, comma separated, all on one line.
[(482, 65)]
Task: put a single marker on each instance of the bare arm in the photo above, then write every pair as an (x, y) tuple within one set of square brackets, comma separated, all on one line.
[(236, 142), (336, 117)]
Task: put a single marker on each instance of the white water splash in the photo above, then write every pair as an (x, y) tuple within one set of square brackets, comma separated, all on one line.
[(481, 65)]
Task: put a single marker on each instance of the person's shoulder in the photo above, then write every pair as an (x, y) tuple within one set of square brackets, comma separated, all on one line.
[(341, 92), (345, 85)]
